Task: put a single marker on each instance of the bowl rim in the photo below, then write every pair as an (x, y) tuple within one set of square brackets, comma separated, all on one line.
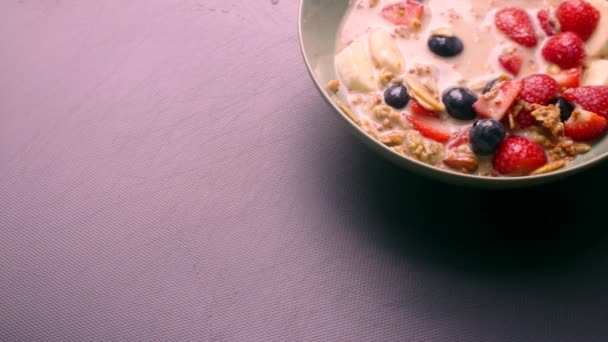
[(519, 180)]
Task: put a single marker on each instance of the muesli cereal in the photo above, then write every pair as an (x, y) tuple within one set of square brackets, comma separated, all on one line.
[(501, 87)]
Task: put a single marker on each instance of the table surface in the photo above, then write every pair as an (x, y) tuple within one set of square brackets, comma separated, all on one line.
[(169, 172)]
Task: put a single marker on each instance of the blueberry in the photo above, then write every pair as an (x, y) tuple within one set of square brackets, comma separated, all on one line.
[(396, 96), (445, 46), (459, 103), (489, 86), (565, 107), (485, 136)]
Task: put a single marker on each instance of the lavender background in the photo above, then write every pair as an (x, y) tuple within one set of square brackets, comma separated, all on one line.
[(169, 172)]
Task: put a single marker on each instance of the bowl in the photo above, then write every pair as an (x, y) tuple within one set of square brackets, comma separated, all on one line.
[(319, 21)]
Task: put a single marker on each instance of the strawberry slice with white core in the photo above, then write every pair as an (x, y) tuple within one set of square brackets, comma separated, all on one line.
[(585, 126), (496, 103), (591, 98), (569, 78), (404, 13)]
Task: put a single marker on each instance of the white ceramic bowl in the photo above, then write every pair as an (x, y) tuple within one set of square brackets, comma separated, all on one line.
[(319, 21)]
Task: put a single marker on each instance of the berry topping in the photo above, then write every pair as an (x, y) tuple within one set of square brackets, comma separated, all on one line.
[(525, 119), (570, 78), (585, 126), (445, 46), (459, 103), (396, 96), (547, 23), (431, 128), (417, 109), (578, 16), (538, 89), (591, 98), (512, 62), (567, 50), (486, 135), (496, 103), (517, 25), (405, 13), (518, 156), (490, 85), (565, 107)]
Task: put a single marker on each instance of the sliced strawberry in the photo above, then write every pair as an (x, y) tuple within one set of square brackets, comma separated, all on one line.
[(591, 98), (404, 13), (430, 127), (585, 126), (567, 50), (570, 78), (512, 62), (578, 16), (417, 109), (517, 25), (518, 156), (496, 103), (538, 89), (461, 139), (547, 23)]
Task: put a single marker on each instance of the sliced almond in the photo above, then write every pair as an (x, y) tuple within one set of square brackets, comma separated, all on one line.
[(423, 95), (346, 109), (443, 32), (582, 148), (556, 165)]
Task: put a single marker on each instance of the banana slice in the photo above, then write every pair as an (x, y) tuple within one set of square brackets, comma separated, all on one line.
[(597, 74), (355, 68), (597, 45), (385, 52)]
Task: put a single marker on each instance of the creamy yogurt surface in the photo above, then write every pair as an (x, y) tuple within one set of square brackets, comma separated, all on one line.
[(472, 21)]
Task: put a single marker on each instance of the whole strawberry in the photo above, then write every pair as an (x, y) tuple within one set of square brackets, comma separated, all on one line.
[(578, 16), (591, 98), (517, 25), (538, 89), (518, 156), (567, 50)]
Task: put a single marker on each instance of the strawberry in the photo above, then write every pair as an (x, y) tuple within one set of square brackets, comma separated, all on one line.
[(496, 103), (525, 119), (517, 155), (517, 25), (538, 89), (417, 109), (405, 13), (570, 78), (461, 139), (585, 126), (511, 62), (547, 23), (567, 50), (578, 16), (430, 128), (591, 98)]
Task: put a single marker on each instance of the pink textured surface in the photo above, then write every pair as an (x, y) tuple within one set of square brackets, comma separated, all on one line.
[(168, 172)]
